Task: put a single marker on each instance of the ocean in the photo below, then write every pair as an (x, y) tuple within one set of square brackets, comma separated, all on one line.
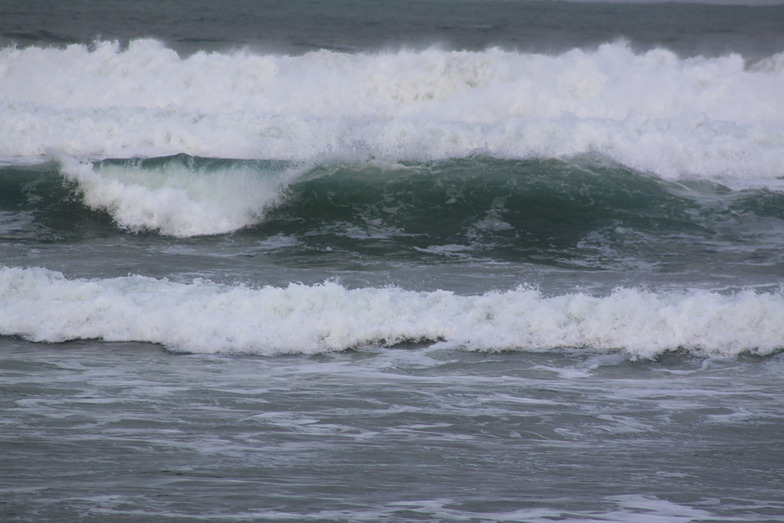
[(391, 260)]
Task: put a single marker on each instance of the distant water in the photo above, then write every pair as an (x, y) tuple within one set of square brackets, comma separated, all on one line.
[(427, 260)]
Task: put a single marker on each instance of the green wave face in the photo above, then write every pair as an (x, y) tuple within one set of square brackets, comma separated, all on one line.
[(585, 212)]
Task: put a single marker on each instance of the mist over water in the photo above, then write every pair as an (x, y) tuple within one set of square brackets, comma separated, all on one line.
[(391, 261)]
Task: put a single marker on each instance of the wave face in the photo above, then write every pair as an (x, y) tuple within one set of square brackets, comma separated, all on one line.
[(708, 117), (497, 219), (42, 305)]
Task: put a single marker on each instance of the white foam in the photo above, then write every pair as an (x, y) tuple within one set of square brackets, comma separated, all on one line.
[(712, 117), (41, 305), (179, 200)]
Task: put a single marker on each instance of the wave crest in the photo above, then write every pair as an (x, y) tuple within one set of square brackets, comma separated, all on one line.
[(653, 111), (176, 197), (42, 305)]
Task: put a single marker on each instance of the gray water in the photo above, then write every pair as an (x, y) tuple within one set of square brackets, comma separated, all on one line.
[(524, 265), (348, 25), (127, 432)]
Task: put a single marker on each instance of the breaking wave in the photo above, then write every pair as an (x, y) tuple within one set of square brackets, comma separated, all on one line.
[(709, 117), (44, 306)]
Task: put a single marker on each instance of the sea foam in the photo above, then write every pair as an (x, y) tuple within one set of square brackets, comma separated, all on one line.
[(178, 199), (44, 306), (714, 117)]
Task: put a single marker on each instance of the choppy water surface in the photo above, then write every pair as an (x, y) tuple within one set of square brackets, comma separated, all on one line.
[(388, 261), (410, 433)]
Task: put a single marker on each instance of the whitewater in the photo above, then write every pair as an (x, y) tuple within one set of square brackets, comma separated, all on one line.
[(204, 317), (716, 117), (400, 260)]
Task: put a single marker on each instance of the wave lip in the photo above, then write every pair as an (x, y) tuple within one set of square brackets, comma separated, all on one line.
[(44, 306), (177, 198)]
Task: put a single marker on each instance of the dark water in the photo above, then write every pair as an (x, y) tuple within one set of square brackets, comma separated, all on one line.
[(348, 25), (391, 261), (406, 434)]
